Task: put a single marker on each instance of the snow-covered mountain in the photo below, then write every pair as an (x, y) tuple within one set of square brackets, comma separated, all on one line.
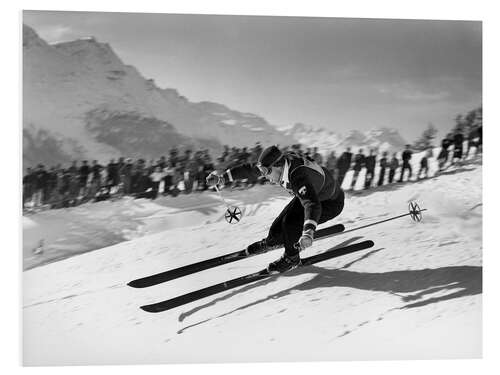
[(80, 100), (383, 139)]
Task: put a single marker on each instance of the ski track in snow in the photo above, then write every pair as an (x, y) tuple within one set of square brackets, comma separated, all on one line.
[(416, 294)]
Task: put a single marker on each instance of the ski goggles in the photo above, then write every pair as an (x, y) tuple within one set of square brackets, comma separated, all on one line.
[(264, 171)]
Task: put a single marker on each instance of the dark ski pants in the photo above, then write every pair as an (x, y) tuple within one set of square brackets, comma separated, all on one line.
[(381, 177), (406, 166), (370, 173), (424, 169), (392, 172), (287, 227), (341, 176), (354, 178)]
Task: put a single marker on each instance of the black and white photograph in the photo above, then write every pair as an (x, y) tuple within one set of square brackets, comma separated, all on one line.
[(204, 188)]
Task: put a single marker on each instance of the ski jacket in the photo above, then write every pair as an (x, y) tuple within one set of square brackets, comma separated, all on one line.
[(303, 178), (96, 171), (445, 143), (359, 162), (458, 140), (344, 161), (383, 162), (370, 162), (394, 164), (406, 156)]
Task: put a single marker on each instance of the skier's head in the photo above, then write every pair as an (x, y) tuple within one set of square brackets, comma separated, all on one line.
[(270, 163)]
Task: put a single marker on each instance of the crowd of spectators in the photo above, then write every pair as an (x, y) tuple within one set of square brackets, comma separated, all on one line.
[(179, 172), (185, 172)]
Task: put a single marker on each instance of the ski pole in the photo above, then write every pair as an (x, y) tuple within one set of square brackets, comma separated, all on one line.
[(232, 212), (415, 212)]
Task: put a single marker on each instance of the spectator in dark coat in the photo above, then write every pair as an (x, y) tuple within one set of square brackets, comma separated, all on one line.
[(383, 165), (370, 162), (343, 164), (74, 168), (331, 164), (424, 164), (112, 177), (126, 176), (443, 154), (472, 140), (393, 166), (41, 180), (84, 176), (96, 170), (29, 184), (458, 146), (144, 185), (406, 156), (168, 180), (359, 162)]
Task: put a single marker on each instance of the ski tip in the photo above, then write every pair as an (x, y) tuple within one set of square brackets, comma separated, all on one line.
[(137, 284), (149, 309)]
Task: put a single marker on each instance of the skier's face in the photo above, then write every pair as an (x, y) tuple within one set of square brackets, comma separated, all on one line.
[(274, 174)]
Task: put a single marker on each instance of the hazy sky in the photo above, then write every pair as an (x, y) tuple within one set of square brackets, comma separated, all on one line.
[(337, 73)]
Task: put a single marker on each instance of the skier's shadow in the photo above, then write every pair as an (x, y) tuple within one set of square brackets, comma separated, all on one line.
[(414, 287), (251, 286)]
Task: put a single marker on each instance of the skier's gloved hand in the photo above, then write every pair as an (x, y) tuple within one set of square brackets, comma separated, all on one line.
[(306, 240), (214, 179)]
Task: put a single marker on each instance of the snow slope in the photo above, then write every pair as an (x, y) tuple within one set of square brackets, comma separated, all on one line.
[(417, 294)]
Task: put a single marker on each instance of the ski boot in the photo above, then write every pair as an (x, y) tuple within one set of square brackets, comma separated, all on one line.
[(259, 247), (285, 263)]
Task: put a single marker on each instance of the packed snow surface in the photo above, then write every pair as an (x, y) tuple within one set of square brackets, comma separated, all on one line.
[(417, 294)]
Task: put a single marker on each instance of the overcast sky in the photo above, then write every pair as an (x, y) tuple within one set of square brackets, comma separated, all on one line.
[(336, 73)]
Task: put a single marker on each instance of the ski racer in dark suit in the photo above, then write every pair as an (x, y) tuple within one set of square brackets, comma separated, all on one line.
[(317, 199)]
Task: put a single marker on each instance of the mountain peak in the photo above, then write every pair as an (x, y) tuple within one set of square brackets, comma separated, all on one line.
[(326, 140), (81, 91), (89, 51), (31, 38)]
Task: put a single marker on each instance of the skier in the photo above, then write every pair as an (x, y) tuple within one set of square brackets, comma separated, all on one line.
[(317, 199)]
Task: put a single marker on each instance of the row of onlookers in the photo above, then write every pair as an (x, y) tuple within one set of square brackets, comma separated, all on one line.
[(186, 172)]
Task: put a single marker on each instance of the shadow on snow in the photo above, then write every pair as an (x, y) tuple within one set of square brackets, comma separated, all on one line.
[(416, 285)]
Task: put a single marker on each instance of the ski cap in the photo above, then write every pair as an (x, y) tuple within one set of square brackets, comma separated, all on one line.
[(269, 156)]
